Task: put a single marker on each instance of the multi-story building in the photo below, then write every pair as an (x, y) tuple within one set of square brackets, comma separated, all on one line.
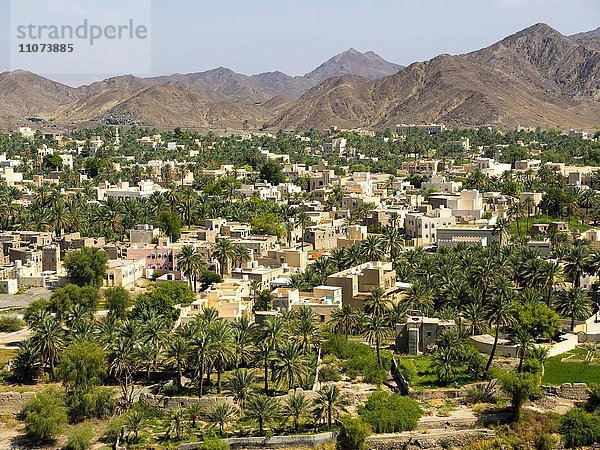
[(357, 282), (423, 227)]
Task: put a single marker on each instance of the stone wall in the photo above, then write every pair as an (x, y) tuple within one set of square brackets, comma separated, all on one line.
[(430, 394), (13, 402), (570, 391), (301, 440), (409, 441), (181, 402)]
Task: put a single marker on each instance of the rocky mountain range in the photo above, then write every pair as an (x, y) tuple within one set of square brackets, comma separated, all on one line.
[(535, 77)]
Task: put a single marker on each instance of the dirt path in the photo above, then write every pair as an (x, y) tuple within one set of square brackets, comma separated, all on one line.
[(11, 340)]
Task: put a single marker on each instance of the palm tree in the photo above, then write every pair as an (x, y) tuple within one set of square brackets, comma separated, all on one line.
[(48, 340), (154, 331), (337, 256), (445, 363), (575, 304), (176, 419), (26, 366), (176, 351), (135, 421), (576, 263), (223, 252), (378, 303), (500, 313), (308, 335), (420, 297), (262, 409), (221, 414), (194, 410), (516, 212), (122, 364), (295, 406), (187, 199), (525, 342), (303, 220), (550, 274), (588, 199), (241, 254), (222, 347), (345, 320), (187, 262), (202, 350), (241, 385), (330, 402), (501, 229), (373, 248), (272, 336), (475, 314), (376, 331), (243, 341), (529, 205), (321, 268), (291, 364)]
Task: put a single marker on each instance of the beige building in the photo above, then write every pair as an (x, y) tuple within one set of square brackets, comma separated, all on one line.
[(291, 257), (232, 299), (423, 228), (124, 272), (357, 282)]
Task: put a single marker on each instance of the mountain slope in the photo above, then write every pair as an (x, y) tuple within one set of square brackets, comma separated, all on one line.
[(536, 77), (590, 39), (175, 104), (352, 62), (23, 93), (542, 56)]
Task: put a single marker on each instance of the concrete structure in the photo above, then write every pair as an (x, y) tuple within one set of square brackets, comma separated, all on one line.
[(439, 183), (424, 228), (357, 282), (124, 272), (418, 334), (143, 234), (471, 234), (433, 128)]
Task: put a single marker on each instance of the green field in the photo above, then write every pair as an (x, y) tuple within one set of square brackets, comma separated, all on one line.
[(426, 377), (559, 372)]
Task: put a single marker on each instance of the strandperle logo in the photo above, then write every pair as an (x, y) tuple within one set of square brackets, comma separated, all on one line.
[(84, 31), (83, 39)]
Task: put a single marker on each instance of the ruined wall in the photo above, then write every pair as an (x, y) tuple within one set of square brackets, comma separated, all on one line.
[(13, 402), (570, 391), (301, 440)]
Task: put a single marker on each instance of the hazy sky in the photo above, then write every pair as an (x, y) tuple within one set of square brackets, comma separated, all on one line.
[(296, 36)]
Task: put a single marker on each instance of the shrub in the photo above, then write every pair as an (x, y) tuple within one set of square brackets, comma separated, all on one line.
[(375, 375), (113, 429), (80, 438), (353, 434), (10, 324), (593, 402), (46, 414), (329, 372), (390, 413), (580, 428), (214, 443), (96, 403), (359, 359)]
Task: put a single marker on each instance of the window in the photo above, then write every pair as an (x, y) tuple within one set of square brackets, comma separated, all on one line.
[(322, 318), (429, 334)]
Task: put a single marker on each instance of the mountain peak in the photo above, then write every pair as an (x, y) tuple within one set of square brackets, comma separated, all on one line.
[(539, 30), (368, 65)]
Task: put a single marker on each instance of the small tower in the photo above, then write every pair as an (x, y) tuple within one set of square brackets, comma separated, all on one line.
[(117, 140)]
